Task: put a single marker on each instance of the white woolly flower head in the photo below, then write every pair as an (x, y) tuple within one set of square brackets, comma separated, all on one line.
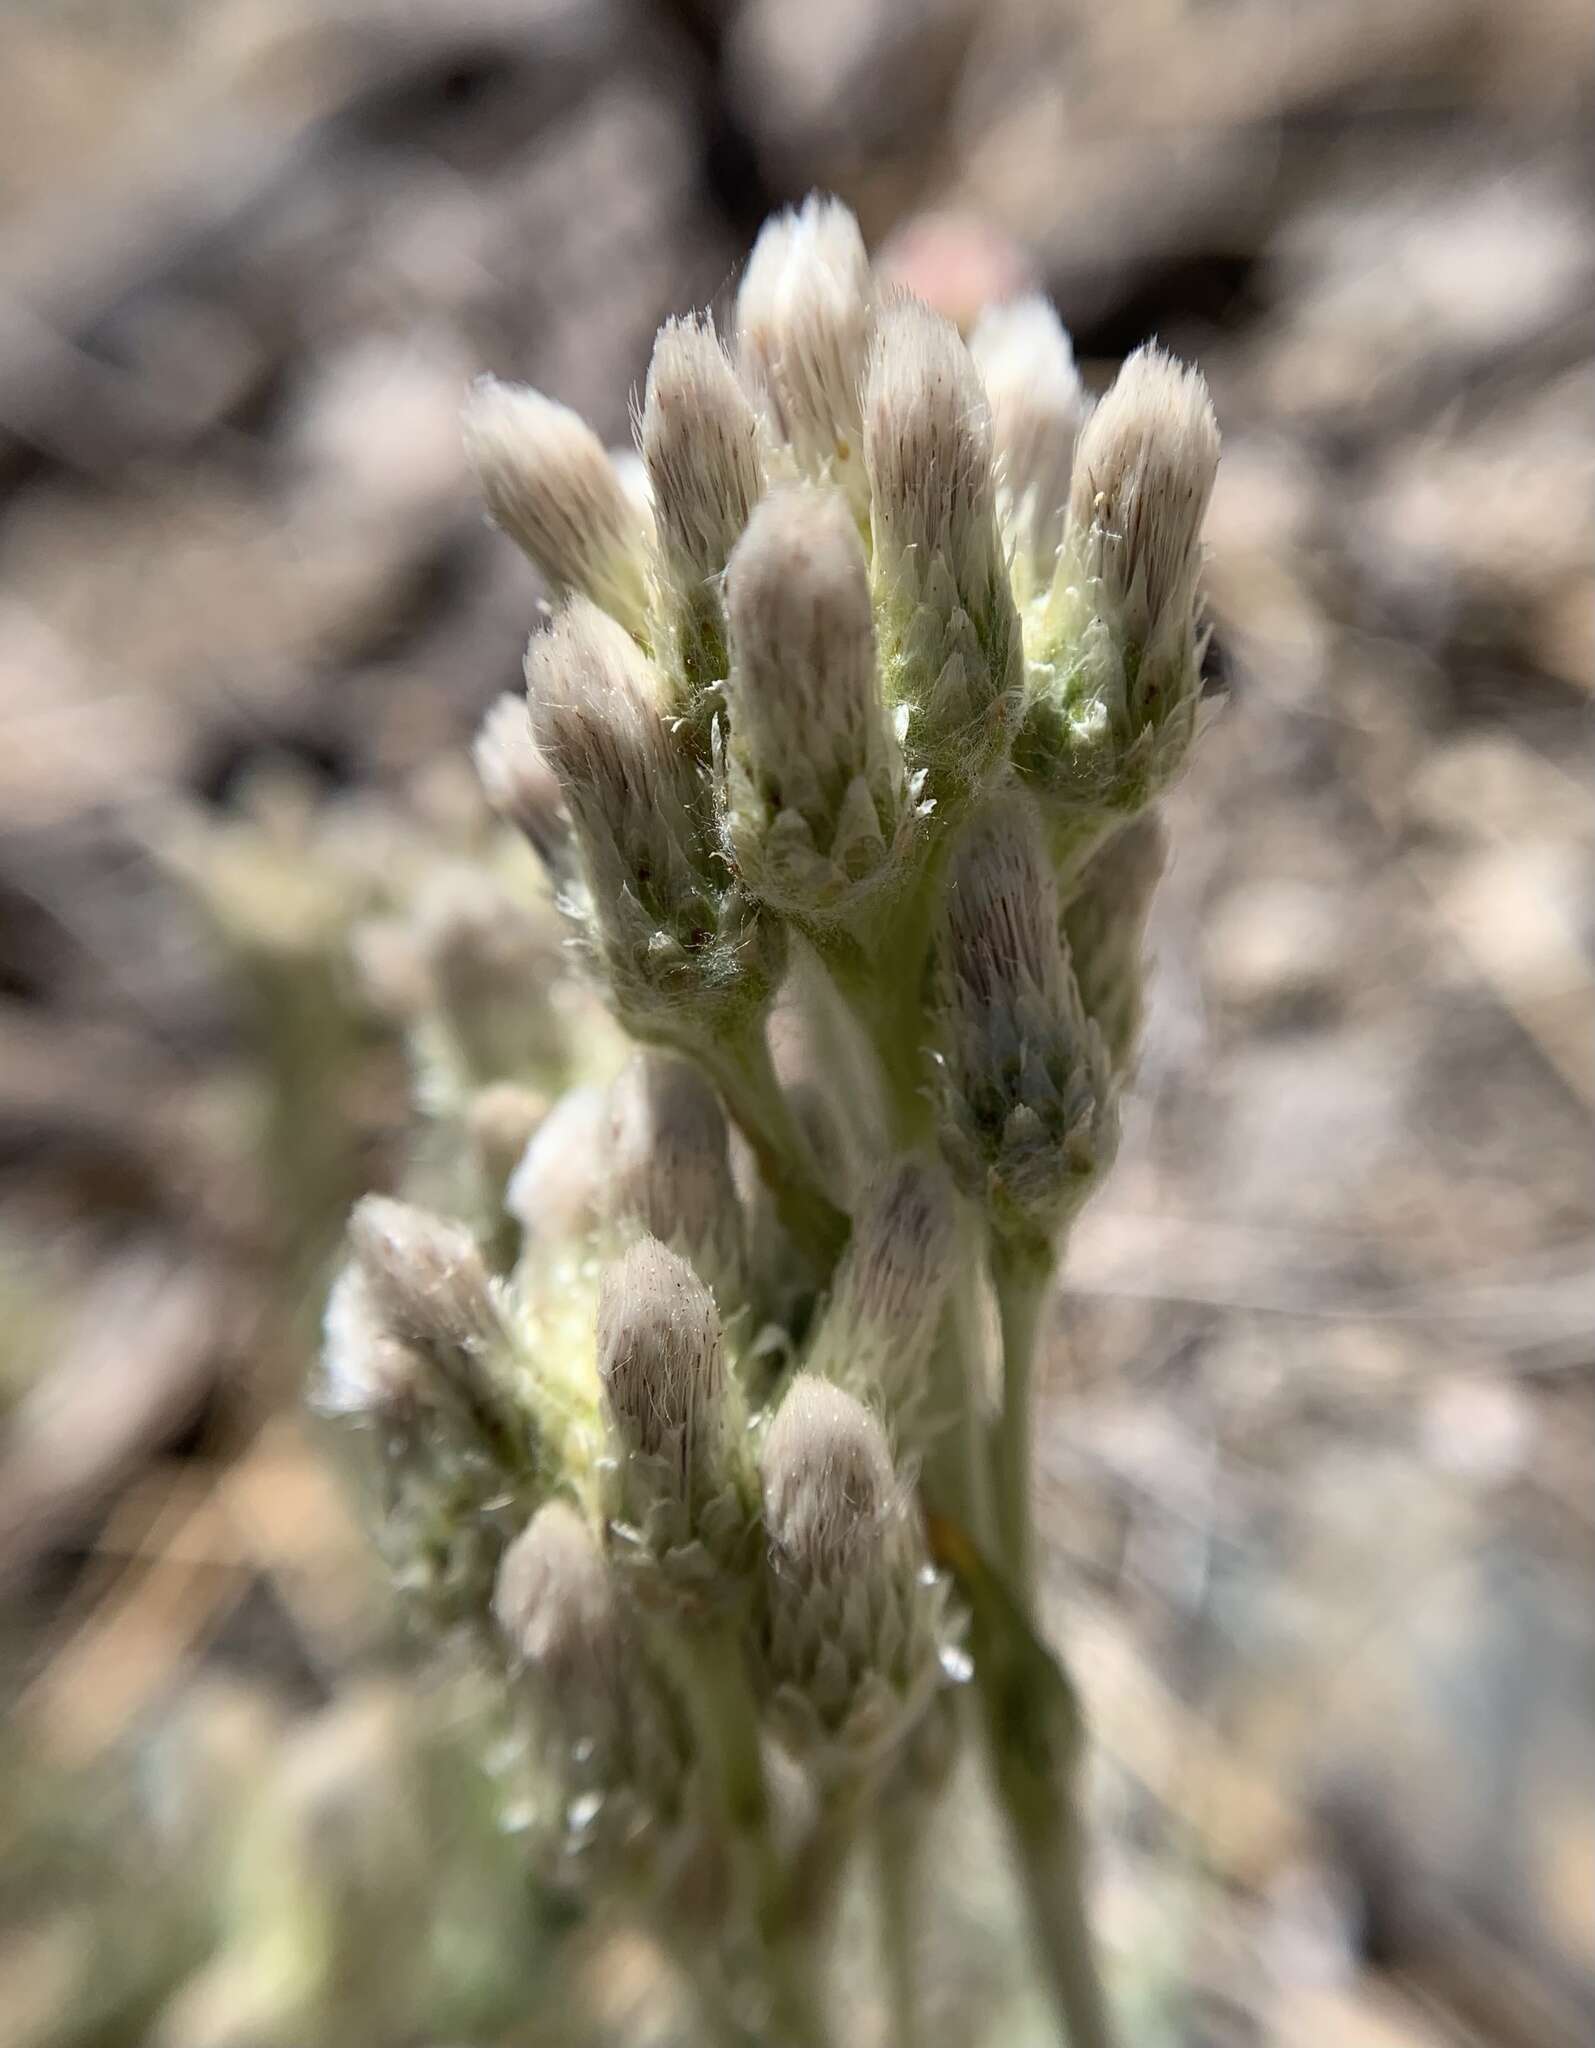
[(1028, 1112), (699, 438), (613, 1745), (817, 799), (1143, 474), (856, 1619), (520, 786), (886, 1302), (669, 1150), (674, 934), (682, 1491), (1104, 926), (1114, 677), (803, 324), (950, 633), (1038, 403), (547, 480), (416, 1349), (492, 961)]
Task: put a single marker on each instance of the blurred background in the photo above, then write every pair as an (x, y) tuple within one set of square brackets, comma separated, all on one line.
[(1319, 1436)]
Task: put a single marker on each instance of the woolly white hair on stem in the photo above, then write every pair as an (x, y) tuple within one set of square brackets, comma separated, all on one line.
[(548, 481), (815, 781), (1026, 362), (953, 652), (803, 324)]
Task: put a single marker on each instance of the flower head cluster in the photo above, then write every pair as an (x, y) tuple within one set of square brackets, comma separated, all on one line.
[(846, 704)]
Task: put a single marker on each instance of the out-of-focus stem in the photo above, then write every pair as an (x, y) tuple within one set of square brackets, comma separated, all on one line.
[(726, 1714), (1034, 1739), (898, 1842), (1045, 1830)]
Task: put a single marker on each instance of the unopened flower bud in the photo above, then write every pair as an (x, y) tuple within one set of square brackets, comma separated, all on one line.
[(500, 1122), (1114, 679), (700, 443), (672, 934), (610, 1737), (368, 1373), (1028, 1115), (682, 1490), (828, 1478), (1105, 928), (1143, 474), (1027, 364), (492, 962), (549, 483), (855, 1620), (886, 1302), (430, 1286), (803, 323), (519, 784), (555, 1192), (671, 1169), (557, 1605), (660, 1357), (951, 646), (437, 1433), (816, 792)]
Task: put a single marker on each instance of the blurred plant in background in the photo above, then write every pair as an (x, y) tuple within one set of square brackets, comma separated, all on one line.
[(692, 1393)]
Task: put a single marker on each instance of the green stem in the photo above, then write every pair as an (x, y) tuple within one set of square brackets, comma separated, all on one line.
[(1044, 1827), (881, 975), (1021, 1273), (899, 1839), (1034, 1738), (954, 1474), (728, 1724), (742, 1070)]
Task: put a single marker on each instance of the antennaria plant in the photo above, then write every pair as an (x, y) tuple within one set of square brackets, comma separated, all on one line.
[(694, 1420)]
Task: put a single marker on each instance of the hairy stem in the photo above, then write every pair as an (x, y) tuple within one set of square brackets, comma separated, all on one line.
[(881, 975), (743, 1072)]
